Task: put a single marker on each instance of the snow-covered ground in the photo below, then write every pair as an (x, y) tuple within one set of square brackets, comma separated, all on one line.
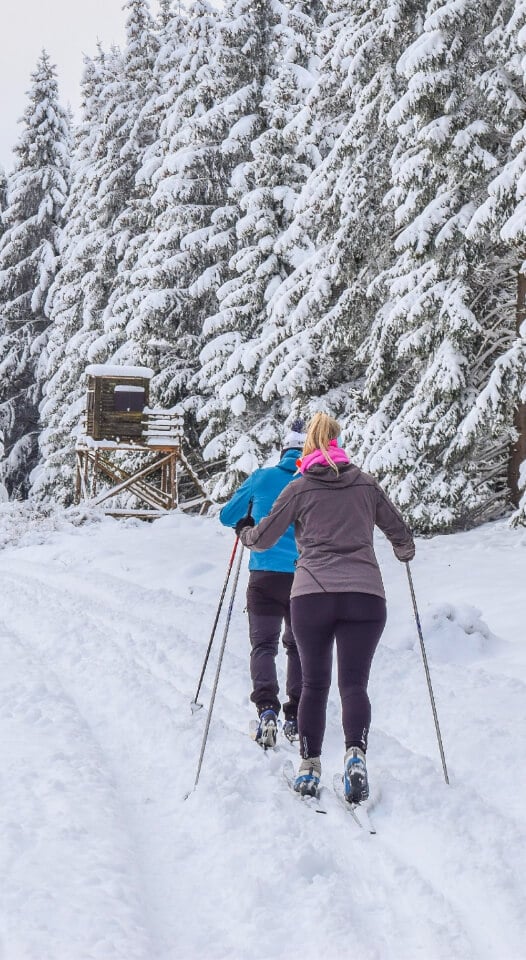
[(103, 630)]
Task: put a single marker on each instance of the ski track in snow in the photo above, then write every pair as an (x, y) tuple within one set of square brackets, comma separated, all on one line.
[(103, 632)]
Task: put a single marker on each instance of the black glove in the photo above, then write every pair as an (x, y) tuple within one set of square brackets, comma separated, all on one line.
[(244, 522)]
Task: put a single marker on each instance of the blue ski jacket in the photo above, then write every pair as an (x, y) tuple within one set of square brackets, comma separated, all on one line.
[(263, 487)]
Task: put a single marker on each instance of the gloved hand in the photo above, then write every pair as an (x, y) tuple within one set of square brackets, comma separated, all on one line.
[(404, 553), (244, 522)]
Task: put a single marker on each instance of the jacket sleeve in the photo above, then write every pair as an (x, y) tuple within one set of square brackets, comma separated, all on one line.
[(268, 531), (391, 522), (237, 506)]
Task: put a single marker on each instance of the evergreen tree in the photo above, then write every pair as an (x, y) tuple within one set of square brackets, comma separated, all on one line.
[(429, 349), (341, 231), (269, 169), (3, 197), (33, 219), (77, 297), (165, 13), (500, 407), (164, 326), (277, 218), (127, 216), (202, 138), (105, 215)]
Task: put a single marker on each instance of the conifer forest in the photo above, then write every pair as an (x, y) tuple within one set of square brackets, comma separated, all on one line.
[(281, 206)]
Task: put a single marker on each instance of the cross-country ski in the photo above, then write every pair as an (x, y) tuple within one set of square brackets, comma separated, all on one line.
[(360, 812), (313, 801)]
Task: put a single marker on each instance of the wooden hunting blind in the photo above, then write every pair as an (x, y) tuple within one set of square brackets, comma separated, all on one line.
[(135, 448), (116, 402)]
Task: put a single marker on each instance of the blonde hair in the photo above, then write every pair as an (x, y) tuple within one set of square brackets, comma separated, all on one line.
[(320, 431)]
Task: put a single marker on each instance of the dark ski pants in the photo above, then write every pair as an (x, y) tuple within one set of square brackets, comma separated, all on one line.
[(356, 621), (268, 605)]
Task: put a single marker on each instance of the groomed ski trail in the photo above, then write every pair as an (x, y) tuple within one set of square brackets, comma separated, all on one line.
[(103, 630)]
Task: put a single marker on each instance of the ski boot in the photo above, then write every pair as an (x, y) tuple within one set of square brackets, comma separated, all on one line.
[(308, 779), (355, 782), (267, 731), (290, 729)]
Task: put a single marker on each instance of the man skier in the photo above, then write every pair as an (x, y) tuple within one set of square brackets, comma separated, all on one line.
[(268, 594)]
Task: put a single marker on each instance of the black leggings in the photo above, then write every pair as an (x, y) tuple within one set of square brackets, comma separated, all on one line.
[(357, 621), (268, 604)]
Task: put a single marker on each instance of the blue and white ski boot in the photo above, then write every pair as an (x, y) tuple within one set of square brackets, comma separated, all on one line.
[(307, 781), (355, 782), (290, 729), (267, 731)]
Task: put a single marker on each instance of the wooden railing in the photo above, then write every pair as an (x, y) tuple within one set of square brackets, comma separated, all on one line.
[(163, 428)]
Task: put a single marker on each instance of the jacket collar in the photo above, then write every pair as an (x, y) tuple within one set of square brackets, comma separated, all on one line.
[(325, 474), (288, 460)]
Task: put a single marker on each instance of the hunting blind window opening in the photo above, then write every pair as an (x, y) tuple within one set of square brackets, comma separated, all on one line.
[(128, 399)]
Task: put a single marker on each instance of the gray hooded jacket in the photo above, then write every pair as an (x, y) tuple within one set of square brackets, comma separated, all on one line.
[(334, 515)]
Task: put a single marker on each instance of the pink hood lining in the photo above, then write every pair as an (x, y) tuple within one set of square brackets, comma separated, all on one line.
[(317, 456)]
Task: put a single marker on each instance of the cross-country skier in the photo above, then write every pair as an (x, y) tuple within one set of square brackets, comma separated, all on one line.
[(268, 593), (337, 592)]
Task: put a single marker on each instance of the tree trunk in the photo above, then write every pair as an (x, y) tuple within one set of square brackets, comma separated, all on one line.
[(518, 449)]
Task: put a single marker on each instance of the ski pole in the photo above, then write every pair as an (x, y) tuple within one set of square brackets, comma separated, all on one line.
[(218, 670), (426, 668), (194, 704)]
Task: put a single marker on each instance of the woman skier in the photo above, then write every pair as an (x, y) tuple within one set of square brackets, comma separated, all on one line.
[(337, 592)]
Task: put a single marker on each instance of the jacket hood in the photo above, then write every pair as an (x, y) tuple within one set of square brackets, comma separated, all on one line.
[(288, 460), (319, 473)]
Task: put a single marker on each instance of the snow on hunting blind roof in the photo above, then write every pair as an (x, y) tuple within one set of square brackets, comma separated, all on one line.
[(114, 370)]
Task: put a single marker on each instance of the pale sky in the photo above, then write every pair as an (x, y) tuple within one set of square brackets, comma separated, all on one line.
[(66, 29)]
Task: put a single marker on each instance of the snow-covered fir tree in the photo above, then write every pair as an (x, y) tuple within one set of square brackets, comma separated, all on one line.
[(224, 125), (165, 13), (500, 407), (77, 297), (182, 180), (133, 123), (105, 214), (33, 219), (317, 126), (269, 166), (446, 295), (3, 196), (287, 206), (340, 232)]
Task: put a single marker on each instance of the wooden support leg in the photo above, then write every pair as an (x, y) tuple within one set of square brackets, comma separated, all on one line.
[(94, 474), (82, 466), (156, 483), (78, 476), (85, 483), (173, 481)]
